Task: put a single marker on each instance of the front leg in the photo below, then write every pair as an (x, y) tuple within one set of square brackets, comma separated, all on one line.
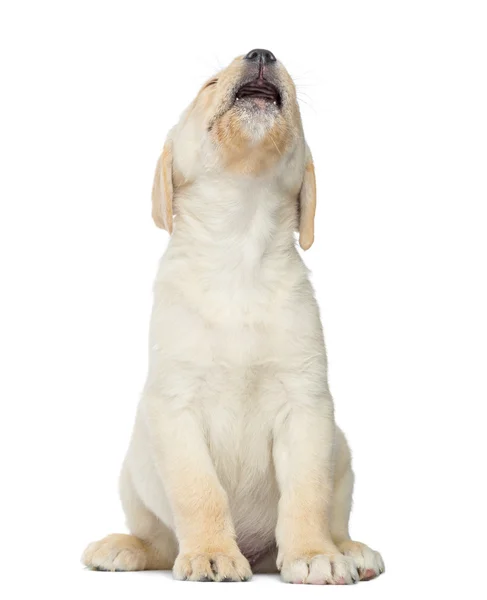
[(208, 549), (303, 455)]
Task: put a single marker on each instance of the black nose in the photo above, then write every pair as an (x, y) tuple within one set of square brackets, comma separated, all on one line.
[(259, 55)]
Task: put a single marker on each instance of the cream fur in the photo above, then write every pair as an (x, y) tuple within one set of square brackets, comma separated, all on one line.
[(235, 461)]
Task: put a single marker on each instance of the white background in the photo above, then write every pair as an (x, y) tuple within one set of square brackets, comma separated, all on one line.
[(394, 101)]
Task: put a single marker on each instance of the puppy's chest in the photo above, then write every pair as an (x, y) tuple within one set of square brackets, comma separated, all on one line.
[(231, 331)]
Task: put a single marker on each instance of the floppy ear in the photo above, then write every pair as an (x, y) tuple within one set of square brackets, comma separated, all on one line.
[(162, 190), (307, 204)]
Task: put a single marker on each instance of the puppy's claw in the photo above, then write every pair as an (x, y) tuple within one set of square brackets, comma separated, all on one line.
[(212, 567)]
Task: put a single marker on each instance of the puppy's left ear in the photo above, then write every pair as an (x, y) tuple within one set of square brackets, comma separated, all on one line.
[(307, 204), (162, 190)]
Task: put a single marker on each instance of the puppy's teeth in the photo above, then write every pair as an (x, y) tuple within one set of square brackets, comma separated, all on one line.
[(274, 102)]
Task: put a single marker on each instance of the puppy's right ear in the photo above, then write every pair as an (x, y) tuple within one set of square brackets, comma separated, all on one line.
[(162, 190), (307, 204)]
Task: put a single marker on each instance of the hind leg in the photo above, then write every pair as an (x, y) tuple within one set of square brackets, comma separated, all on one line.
[(368, 561), (152, 546)]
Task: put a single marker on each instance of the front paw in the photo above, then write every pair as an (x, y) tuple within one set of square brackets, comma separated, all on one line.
[(319, 569), (212, 566), (368, 561)]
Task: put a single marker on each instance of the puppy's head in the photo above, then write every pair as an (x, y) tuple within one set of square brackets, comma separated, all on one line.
[(244, 121)]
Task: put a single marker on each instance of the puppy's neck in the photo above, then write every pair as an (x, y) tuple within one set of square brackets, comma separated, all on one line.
[(235, 223)]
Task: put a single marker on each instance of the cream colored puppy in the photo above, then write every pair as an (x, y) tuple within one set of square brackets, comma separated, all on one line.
[(235, 462)]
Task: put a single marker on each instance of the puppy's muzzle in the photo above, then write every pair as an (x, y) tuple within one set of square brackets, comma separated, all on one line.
[(260, 62)]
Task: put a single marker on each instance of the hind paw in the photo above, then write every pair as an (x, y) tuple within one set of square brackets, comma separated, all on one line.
[(116, 552)]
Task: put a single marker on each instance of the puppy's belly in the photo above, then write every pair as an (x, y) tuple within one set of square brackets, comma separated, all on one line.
[(240, 441), (255, 517)]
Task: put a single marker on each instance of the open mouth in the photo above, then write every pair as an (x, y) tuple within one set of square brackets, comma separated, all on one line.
[(259, 88)]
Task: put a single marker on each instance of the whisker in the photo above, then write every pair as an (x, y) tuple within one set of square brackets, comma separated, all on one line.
[(304, 93), (275, 144), (307, 104)]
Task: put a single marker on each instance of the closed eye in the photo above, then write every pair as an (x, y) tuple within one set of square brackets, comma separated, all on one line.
[(211, 82)]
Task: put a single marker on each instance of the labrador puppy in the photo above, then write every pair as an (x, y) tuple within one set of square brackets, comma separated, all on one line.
[(236, 463)]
